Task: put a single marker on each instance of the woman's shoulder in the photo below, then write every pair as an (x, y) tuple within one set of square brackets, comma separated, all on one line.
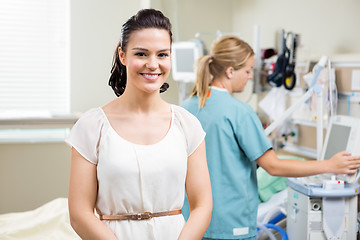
[(242, 106), (92, 117), (190, 126), (184, 117), (230, 101), (86, 133), (93, 113), (181, 112), (238, 110)]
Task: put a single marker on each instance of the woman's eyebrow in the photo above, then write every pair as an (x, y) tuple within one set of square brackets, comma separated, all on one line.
[(144, 49), (139, 49)]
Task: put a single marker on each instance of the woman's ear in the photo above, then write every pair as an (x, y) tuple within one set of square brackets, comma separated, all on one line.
[(121, 56), (229, 72)]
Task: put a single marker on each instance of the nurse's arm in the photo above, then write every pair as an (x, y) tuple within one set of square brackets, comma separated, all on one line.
[(82, 198), (198, 190), (340, 163)]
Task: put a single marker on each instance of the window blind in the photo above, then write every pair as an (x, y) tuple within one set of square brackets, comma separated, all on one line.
[(34, 56)]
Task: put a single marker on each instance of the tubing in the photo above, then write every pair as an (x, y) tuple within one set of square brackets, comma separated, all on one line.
[(279, 229), (266, 230), (270, 215), (277, 218)]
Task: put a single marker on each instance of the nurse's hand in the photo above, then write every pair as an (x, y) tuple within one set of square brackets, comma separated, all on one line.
[(343, 163)]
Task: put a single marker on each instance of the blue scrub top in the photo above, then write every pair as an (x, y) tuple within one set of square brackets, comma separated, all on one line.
[(234, 139)]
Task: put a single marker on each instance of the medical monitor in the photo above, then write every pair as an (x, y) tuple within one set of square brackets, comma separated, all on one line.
[(184, 57), (342, 134), (338, 140)]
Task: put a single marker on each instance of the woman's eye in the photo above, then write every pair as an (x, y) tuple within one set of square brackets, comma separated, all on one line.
[(163, 55), (140, 54)]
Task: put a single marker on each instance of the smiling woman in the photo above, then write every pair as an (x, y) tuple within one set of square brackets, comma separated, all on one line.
[(147, 58), (133, 157), (118, 76)]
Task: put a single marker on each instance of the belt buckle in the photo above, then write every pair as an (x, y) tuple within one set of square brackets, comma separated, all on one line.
[(144, 216)]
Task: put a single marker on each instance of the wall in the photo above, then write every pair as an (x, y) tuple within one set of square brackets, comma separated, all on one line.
[(326, 26), (32, 174), (95, 31)]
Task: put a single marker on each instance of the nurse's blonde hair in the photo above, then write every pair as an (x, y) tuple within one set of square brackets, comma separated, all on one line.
[(228, 51)]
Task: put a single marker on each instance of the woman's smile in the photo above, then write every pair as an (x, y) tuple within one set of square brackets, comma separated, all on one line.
[(151, 76)]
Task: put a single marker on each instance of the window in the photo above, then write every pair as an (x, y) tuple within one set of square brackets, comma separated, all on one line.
[(34, 62), (34, 59)]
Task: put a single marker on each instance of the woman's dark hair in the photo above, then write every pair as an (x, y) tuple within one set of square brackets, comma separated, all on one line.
[(145, 18)]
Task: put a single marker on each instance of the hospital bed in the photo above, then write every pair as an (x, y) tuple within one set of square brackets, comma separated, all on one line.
[(49, 221)]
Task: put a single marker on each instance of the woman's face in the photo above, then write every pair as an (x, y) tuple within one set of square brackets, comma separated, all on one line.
[(242, 75), (147, 59)]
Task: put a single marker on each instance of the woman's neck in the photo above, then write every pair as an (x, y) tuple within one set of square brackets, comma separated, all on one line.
[(221, 84), (138, 102), (217, 83)]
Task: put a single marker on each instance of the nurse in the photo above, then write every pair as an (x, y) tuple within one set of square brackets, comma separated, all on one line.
[(236, 142)]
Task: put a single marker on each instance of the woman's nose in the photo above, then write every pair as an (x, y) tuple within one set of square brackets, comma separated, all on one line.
[(152, 63)]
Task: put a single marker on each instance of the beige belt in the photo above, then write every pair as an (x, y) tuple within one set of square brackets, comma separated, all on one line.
[(139, 216)]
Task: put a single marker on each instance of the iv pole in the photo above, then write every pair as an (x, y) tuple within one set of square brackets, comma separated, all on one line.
[(317, 89)]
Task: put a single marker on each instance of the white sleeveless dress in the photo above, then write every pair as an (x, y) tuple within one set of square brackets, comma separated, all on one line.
[(135, 178)]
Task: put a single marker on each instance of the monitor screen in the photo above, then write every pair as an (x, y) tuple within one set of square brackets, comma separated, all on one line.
[(184, 56), (185, 59), (338, 140)]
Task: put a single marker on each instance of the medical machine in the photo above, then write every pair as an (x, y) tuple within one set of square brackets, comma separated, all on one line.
[(343, 134), (325, 206), (184, 56)]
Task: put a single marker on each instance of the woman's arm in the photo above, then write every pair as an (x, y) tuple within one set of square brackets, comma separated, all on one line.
[(82, 198), (340, 163), (198, 190)]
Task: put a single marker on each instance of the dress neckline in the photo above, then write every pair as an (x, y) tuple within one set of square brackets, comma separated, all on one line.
[(137, 144)]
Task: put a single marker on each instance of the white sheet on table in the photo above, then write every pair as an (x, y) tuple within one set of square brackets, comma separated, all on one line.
[(49, 221), (274, 204)]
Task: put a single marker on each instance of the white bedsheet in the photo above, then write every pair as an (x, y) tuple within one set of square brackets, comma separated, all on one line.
[(272, 207), (50, 221)]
